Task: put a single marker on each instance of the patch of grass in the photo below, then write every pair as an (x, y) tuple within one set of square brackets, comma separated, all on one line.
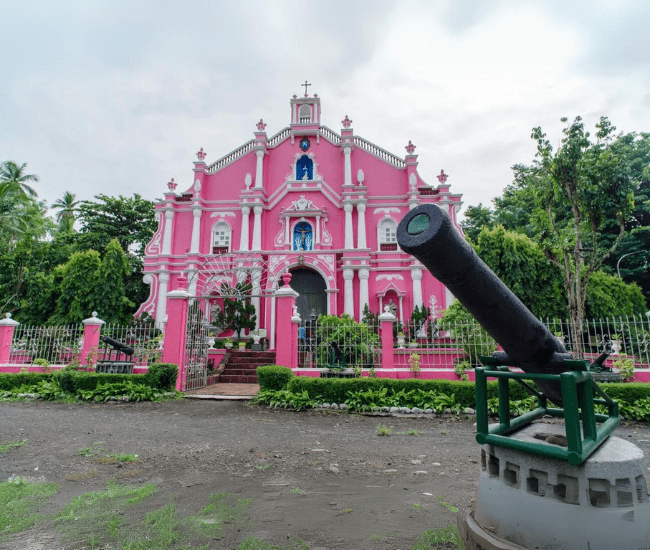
[(443, 432), (384, 430), (253, 543), (97, 514), (262, 467), (431, 540), (447, 505), (410, 432), (81, 476), (88, 452), (417, 506), (19, 502), (297, 490), (116, 458), (11, 445), (383, 536)]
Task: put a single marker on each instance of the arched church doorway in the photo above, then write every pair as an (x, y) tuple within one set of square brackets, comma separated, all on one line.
[(310, 286)]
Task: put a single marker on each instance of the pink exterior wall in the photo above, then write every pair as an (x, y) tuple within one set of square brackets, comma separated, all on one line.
[(386, 191)]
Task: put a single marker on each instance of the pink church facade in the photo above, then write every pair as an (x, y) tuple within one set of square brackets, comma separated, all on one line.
[(320, 204)]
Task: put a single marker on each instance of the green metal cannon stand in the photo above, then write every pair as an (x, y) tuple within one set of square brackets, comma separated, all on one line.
[(578, 389)]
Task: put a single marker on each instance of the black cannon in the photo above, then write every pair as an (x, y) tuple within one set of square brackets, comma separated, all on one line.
[(111, 361), (428, 233), (118, 346)]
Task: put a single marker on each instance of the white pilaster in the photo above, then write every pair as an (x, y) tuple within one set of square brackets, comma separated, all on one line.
[(259, 170), (167, 235), (191, 276), (364, 297), (243, 241), (161, 309), (257, 228), (361, 225), (348, 275), (416, 275), (349, 236), (196, 230), (347, 165), (256, 277)]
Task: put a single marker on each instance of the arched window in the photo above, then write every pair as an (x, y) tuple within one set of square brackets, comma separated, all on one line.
[(305, 114), (387, 235), (221, 234), (303, 237), (304, 168)]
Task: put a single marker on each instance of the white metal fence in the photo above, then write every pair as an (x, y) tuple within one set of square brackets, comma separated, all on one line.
[(144, 339), (54, 344)]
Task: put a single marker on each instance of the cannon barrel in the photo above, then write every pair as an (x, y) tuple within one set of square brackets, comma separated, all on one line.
[(117, 345), (428, 233)]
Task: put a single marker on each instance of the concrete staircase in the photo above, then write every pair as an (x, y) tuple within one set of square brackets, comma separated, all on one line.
[(241, 365)]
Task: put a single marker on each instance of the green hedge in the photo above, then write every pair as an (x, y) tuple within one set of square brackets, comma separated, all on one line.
[(9, 380), (274, 377), (160, 376)]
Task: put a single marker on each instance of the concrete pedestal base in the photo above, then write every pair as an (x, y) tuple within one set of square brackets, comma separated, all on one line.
[(537, 503)]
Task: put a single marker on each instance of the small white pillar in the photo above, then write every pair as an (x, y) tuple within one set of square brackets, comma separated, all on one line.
[(364, 298), (167, 235), (348, 275), (196, 230), (161, 309), (416, 276), (257, 228), (349, 234), (347, 150), (243, 241), (259, 169), (361, 225)]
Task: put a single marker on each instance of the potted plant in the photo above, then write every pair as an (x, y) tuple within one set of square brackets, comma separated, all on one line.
[(616, 343), (227, 343), (400, 340), (414, 364), (211, 340), (559, 336), (242, 345)]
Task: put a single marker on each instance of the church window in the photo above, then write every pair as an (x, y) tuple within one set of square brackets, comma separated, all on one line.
[(305, 114), (221, 238), (387, 233), (303, 237), (304, 168)]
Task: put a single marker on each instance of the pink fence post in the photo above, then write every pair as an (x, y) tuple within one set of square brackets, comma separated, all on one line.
[(92, 326), (387, 319), (176, 330), (286, 352), (7, 327)]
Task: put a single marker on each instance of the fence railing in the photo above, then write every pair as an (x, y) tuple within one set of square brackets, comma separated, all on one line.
[(54, 344), (144, 339)]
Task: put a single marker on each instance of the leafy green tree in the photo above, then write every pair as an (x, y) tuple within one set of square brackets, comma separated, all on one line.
[(14, 181), (112, 302), (67, 207), (524, 269), (80, 288), (130, 220), (577, 188), (238, 312), (609, 296), (475, 219)]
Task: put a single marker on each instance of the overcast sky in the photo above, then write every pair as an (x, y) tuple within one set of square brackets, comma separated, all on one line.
[(117, 96)]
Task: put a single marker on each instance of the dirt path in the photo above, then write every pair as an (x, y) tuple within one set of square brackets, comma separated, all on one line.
[(327, 478)]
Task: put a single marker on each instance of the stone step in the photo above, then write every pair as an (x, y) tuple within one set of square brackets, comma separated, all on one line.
[(247, 361), (248, 368), (237, 379)]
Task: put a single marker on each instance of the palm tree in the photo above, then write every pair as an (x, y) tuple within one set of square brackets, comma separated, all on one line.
[(67, 207), (13, 180)]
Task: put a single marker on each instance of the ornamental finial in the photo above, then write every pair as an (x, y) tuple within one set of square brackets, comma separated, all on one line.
[(410, 148), (261, 125), (172, 185), (346, 122), (201, 154), (442, 178)]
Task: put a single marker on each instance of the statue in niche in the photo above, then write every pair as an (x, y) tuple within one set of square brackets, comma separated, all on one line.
[(392, 308)]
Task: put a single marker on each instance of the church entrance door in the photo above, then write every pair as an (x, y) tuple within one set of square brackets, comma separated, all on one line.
[(311, 287)]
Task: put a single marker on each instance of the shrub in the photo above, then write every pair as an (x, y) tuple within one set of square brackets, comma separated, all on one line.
[(274, 377), (161, 376), (9, 381)]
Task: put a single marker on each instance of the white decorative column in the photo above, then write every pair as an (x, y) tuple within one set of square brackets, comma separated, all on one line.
[(416, 275), (349, 236), (256, 277), (167, 235), (243, 241), (259, 169), (161, 308), (361, 225), (364, 297), (348, 275), (347, 166), (257, 228), (196, 230), (191, 272)]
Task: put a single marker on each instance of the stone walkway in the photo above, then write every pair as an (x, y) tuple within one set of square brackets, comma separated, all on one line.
[(225, 391)]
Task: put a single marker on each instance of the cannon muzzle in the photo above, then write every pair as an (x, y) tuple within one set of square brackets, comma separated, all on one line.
[(117, 345), (428, 233)]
